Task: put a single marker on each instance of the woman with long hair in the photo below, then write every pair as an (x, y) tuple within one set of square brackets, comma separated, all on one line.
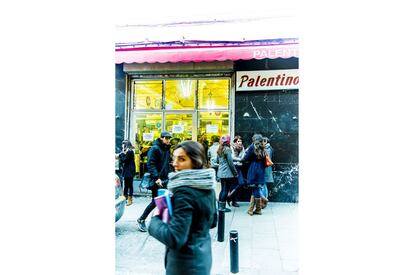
[(237, 155), (187, 234), (227, 172), (255, 155), (268, 173)]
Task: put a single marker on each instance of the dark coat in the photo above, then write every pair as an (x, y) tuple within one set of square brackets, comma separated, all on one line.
[(128, 164), (187, 235), (255, 174), (158, 163)]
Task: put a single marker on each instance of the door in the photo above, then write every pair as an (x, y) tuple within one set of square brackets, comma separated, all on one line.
[(181, 126)]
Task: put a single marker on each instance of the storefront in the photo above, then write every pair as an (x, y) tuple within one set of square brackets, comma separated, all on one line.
[(196, 93)]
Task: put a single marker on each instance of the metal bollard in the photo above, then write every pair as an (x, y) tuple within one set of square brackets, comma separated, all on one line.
[(234, 251), (220, 225)]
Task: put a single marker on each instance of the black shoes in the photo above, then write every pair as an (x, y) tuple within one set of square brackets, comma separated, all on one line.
[(222, 207), (141, 226), (235, 204)]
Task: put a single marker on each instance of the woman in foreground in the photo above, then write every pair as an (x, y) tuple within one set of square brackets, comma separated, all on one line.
[(187, 234)]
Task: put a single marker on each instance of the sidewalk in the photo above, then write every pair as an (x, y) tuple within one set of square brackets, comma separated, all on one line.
[(267, 243)]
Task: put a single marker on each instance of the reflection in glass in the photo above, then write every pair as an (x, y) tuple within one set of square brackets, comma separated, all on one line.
[(147, 94), (180, 94)]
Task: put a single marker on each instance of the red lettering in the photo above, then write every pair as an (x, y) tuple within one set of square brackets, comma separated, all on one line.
[(243, 79), (283, 79), (277, 80), (270, 81), (251, 82), (257, 80), (296, 80), (263, 81), (289, 80)]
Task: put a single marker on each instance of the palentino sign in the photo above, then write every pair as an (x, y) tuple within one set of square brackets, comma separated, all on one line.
[(267, 80)]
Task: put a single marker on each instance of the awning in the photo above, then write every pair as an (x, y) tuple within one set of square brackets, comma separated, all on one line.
[(204, 53)]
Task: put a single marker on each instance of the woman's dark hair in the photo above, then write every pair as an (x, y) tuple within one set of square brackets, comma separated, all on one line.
[(236, 138), (195, 151), (128, 144)]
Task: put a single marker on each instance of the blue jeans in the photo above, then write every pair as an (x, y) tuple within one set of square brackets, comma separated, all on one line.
[(256, 191)]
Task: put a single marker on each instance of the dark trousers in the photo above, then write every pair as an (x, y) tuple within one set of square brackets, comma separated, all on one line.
[(225, 187), (236, 185), (128, 187), (151, 205)]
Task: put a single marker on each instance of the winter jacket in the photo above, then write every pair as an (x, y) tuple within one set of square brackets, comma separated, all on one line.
[(127, 161), (255, 174), (187, 235), (226, 167), (268, 176), (158, 163), (237, 156), (212, 154)]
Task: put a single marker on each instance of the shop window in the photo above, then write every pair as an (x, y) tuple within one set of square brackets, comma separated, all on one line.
[(180, 94), (213, 94), (148, 94), (212, 123), (147, 130)]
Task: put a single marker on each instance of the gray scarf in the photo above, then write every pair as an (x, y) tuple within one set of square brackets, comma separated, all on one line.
[(195, 178)]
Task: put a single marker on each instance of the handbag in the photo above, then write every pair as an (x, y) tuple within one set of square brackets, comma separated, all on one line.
[(268, 161), (147, 182)]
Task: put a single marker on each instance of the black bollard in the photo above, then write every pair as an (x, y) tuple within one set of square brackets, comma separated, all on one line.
[(234, 251), (220, 225)]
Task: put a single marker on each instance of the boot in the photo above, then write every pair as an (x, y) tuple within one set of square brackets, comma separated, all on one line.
[(251, 206), (129, 200), (264, 202), (222, 207), (258, 210)]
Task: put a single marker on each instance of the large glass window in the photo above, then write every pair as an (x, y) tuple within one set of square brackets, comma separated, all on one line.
[(180, 94), (211, 124), (148, 94), (213, 94), (191, 109)]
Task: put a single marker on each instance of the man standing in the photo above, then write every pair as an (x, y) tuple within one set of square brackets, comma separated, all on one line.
[(158, 166)]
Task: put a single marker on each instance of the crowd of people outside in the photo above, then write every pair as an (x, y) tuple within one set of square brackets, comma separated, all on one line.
[(190, 171)]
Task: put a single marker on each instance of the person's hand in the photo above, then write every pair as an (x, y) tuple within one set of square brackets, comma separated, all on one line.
[(159, 182), (156, 211)]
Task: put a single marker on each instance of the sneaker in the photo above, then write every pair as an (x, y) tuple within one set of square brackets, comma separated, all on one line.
[(141, 226)]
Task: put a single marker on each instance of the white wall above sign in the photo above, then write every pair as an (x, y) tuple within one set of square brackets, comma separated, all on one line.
[(267, 80)]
